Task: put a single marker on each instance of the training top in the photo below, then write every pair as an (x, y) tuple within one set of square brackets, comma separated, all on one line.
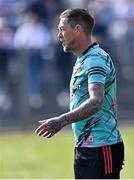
[(92, 66)]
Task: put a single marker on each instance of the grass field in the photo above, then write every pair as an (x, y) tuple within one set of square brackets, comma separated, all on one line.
[(26, 156)]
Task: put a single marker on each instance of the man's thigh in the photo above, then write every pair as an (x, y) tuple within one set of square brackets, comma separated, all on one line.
[(87, 164)]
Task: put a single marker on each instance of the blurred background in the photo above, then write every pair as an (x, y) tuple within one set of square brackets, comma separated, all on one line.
[(35, 74), (34, 70)]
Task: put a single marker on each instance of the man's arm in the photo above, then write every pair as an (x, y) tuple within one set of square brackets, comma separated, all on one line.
[(92, 105)]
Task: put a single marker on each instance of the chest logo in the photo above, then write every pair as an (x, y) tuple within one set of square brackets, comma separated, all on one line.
[(77, 71)]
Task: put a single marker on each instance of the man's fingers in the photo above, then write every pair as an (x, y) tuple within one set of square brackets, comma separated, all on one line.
[(37, 130), (40, 133), (42, 126), (46, 134), (46, 129), (42, 121), (50, 135)]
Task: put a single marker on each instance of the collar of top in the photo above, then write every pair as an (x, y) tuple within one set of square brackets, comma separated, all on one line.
[(89, 48)]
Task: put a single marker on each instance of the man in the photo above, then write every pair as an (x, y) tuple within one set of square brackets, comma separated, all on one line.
[(99, 150)]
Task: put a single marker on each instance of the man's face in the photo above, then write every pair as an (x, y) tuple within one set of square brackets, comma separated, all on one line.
[(66, 35)]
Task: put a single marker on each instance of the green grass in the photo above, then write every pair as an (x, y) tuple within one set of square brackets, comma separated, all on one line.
[(128, 136), (31, 157)]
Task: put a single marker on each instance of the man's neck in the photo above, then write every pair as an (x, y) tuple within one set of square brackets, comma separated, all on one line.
[(82, 45)]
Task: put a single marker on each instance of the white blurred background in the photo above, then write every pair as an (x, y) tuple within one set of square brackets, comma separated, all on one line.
[(34, 70)]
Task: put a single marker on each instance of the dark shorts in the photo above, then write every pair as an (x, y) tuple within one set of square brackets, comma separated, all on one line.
[(99, 163)]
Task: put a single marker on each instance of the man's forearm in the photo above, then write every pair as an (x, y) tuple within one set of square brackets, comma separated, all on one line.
[(88, 108), (85, 110), (51, 126)]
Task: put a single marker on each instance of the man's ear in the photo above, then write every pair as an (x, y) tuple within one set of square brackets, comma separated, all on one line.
[(77, 28)]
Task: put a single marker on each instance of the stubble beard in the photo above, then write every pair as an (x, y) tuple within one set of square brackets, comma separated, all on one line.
[(66, 49), (69, 48)]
